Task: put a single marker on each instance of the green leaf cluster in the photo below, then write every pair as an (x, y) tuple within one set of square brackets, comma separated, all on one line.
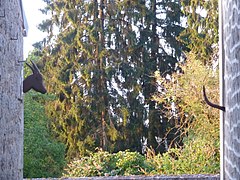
[(196, 157), (103, 163), (43, 156), (198, 123)]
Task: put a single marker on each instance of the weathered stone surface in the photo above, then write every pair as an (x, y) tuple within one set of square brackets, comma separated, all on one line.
[(11, 109), (162, 177), (231, 57)]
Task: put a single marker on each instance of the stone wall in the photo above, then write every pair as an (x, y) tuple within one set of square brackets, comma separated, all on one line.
[(231, 118), (11, 100), (162, 177)]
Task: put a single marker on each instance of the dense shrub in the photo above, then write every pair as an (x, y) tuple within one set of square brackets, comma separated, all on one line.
[(103, 163), (198, 122), (43, 156), (197, 157)]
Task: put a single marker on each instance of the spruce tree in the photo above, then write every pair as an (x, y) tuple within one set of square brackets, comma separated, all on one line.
[(201, 33), (100, 57)]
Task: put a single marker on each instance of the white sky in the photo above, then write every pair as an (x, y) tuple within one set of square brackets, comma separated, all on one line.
[(34, 17)]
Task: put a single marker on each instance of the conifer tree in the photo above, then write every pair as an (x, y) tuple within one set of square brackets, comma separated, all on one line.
[(100, 66), (202, 27), (161, 51)]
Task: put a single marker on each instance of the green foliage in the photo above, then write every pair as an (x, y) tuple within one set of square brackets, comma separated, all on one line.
[(43, 156), (100, 66), (202, 27), (129, 163), (103, 163), (198, 123), (196, 157)]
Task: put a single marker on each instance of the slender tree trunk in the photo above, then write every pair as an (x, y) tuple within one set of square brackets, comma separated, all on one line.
[(151, 84), (231, 89), (102, 81), (11, 104)]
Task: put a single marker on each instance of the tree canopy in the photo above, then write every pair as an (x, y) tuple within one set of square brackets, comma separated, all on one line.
[(128, 75), (100, 57)]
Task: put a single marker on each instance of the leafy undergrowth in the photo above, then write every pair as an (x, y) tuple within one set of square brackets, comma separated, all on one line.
[(125, 163), (103, 163)]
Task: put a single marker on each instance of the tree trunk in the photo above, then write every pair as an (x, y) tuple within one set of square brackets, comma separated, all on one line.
[(102, 82), (230, 125), (152, 131), (11, 103)]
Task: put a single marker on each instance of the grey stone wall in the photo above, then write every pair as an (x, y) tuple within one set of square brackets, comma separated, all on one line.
[(11, 104), (162, 177), (231, 118)]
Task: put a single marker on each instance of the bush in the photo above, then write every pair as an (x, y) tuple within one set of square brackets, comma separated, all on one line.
[(198, 122), (196, 157), (43, 156), (103, 163)]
